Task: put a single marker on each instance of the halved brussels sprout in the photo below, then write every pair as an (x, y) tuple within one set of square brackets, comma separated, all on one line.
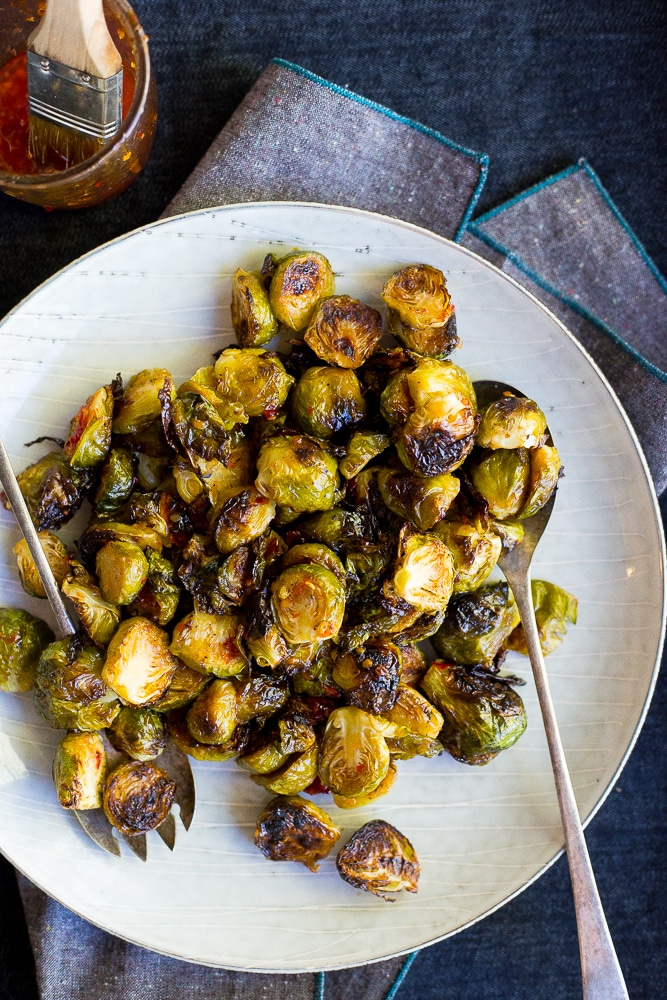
[(369, 676), (140, 402), (254, 379), (354, 757), (138, 664), (502, 477), (379, 859), (296, 732), (292, 829), (413, 663), (205, 436), (137, 797), (23, 639), (189, 484), (296, 472), (243, 515), (263, 638), (482, 713), (98, 534), (300, 281), (309, 603), (99, 618), (79, 770), (554, 607), (70, 688), (213, 715), (361, 449), (475, 551), (183, 688), (138, 732), (476, 625), (344, 331), (57, 555), (424, 500), (424, 571), (185, 741), (116, 482), (512, 422), (342, 530), (294, 776), (90, 431), (160, 596), (210, 643), (219, 477), (261, 696), (252, 315), (359, 801), (327, 400), (264, 754), (413, 712), (122, 570), (316, 554), (421, 312), (223, 409), (164, 513), (53, 490), (545, 470)]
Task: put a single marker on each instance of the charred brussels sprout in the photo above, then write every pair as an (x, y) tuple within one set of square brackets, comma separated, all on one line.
[(475, 552), (79, 771), (213, 715), (292, 829), (296, 472), (183, 688), (137, 797), (512, 422), (421, 312), (116, 482), (309, 603), (53, 490), (424, 500), (414, 713), (354, 757), (99, 618), (90, 431), (70, 689), (23, 638), (261, 696), (327, 400), (243, 515), (122, 569), (361, 449), (210, 643), (476, 625), (545, 470), (482, 713), (138, 732), (379, 859), (138, 664), (554, 608), (344, 331), (424, 571), (255, 380), (299, 282), (502, 477), (252, 316), (140, 403), (413, 663), (262, 636), (369, 676), (160, 595), (57, 556), (299, 771)]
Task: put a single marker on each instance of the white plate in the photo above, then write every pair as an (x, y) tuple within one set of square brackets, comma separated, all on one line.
[(160, 296)]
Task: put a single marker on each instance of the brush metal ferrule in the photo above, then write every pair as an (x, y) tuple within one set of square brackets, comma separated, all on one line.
[(73, 99)]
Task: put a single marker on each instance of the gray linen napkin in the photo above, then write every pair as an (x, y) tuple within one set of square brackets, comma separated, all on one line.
[(297, 137)]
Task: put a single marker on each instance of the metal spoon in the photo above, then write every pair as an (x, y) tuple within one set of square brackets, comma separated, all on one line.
[(93, 821), (601, 972)]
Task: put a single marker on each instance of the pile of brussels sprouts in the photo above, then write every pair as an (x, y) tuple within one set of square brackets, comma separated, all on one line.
[(268, 544)]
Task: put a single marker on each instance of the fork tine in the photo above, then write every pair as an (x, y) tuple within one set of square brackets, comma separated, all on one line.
[(177, 765), (167, 831), (98, 828), (137, 843)]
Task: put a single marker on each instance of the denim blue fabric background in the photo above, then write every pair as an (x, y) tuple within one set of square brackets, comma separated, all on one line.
[(535, 88)]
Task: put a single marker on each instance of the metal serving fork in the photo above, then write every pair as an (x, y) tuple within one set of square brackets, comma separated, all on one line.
[(172, 760)]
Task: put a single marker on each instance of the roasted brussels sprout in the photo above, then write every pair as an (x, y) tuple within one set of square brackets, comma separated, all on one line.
[(160, 596), (210, 643), (327, 400), (475, 551), (90, 431), (137, 797), (261, 696), (292, 829), (183, 688), (99, 533), (122, 570), (421, 312), (354, 757), (79, 770), (379, 859), (53, 490), (99, 618), (413, 663), (512, 422), (413, 712), (369, 676), (57, 556), (213, 715), (138, 732), (360, 801), (477, 625), (296, 732), (262, 636), (264, 754), (482, 713), (70, 689), (116, 482), (502, 477), (361, 449), (424, 571), (554, 607), (299, 282), (138, 664), (344, 331), (294, 776), (545, 470), (185, 741), (314, 553), (254, 379), (243, 515), (252, 316), (140, 402), (296, 472), (424, 500), (309, 603), (23, 639)]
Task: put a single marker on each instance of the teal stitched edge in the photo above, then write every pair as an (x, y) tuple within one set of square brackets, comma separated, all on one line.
[(566, 300), (318, 992), (405, 968), (480, 158)]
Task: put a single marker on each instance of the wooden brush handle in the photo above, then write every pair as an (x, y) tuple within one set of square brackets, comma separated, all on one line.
[(75, 33)]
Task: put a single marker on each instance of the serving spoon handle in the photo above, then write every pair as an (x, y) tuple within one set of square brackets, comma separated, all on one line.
[(601, 972)]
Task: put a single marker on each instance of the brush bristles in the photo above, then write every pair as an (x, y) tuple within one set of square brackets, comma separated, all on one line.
[(50, 143)]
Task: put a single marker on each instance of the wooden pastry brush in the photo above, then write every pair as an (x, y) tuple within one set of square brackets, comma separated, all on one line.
[(75, 82)]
